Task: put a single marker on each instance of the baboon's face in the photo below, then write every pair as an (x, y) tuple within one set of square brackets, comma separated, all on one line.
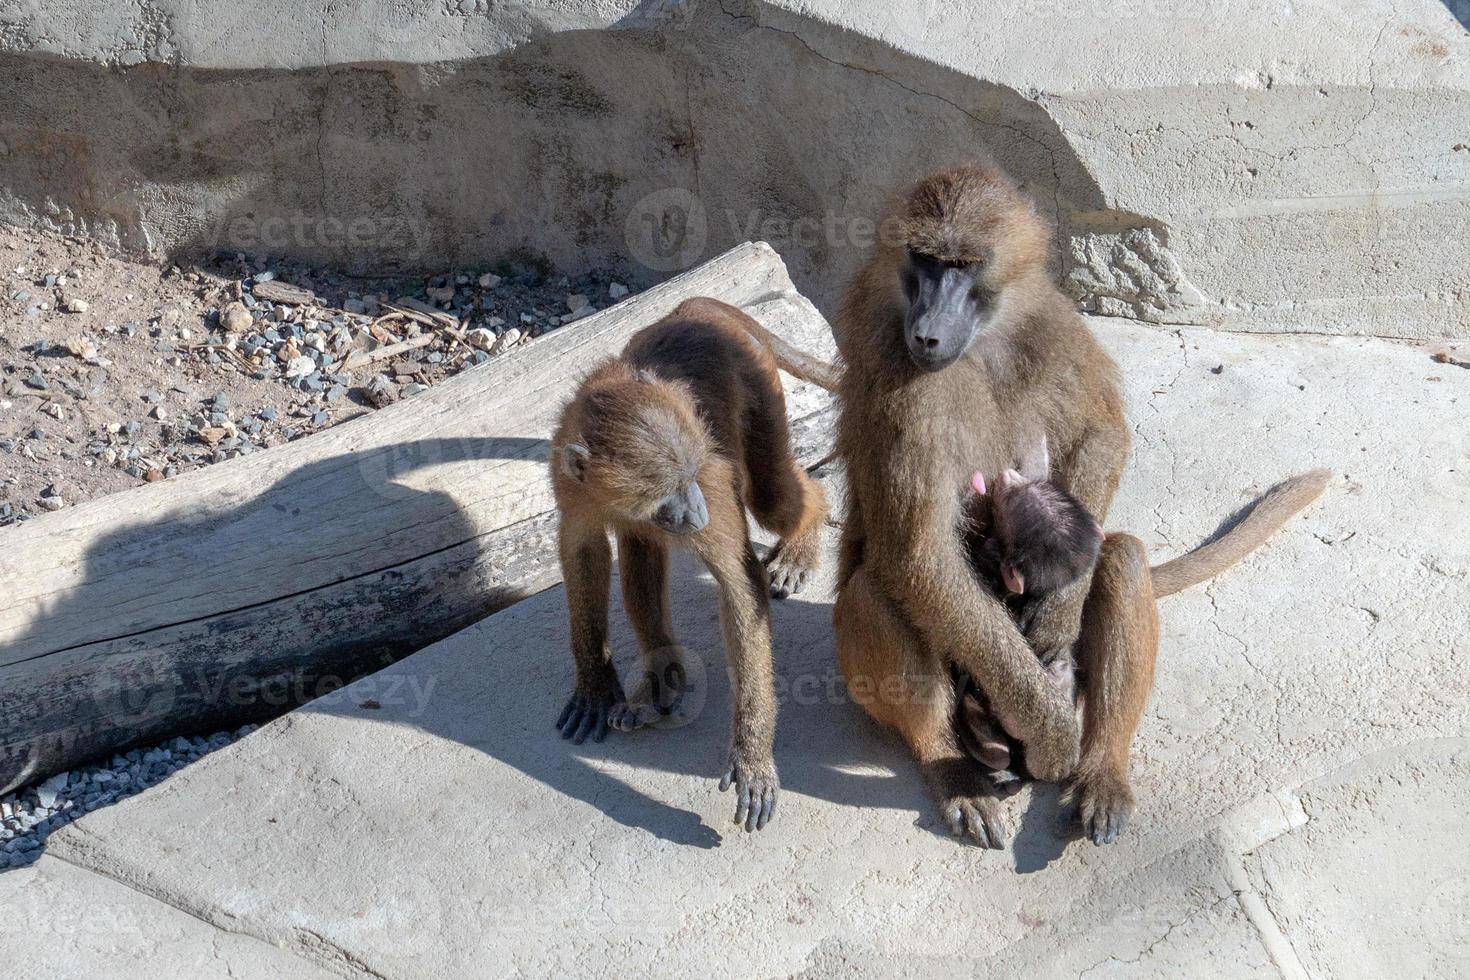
[(970, 239), (644, 459), (949, 304)]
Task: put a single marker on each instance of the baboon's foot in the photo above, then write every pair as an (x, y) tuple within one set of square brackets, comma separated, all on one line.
[(658, 698), (970, 804), (1104, 802), (792, 564)]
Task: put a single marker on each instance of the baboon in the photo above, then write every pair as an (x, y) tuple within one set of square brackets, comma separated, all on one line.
[(960, 350), (668, 444), (1029, 537)]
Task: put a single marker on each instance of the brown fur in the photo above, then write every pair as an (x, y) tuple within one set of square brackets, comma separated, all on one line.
[(689, 398), (911, 439), (1280, 504), (981, 731), (1047, 537), (909, 610)]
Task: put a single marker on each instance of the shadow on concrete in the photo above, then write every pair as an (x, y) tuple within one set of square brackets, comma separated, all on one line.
[(171, 629), (499, 687)]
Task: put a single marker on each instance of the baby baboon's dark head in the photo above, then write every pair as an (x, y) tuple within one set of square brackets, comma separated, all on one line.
[(1048, 539)]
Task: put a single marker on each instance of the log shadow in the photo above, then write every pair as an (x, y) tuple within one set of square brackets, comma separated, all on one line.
[(175, 626)]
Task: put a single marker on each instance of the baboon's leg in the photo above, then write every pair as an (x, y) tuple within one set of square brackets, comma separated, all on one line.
[(644, 574), (783, 498), (1120, 639), (586, 565), (745, 619), (902, 684)]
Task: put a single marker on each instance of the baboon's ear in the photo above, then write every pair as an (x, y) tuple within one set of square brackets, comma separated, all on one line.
[(574, 457)]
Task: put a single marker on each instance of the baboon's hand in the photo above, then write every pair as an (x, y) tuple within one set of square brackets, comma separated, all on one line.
[(586, 713), (755, 791), (1051, 754)]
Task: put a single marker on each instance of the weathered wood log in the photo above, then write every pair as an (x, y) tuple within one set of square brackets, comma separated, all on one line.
[(238, 591)]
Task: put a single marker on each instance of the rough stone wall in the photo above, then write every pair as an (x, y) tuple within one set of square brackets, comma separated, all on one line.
[(1313, 175)]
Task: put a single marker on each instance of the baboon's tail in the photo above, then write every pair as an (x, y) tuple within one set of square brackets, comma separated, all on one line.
[(1280, 504), (795, 362)]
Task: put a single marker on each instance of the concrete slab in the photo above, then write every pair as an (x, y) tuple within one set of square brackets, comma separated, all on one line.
[(1377, 881), (65, 921), (427, 822)]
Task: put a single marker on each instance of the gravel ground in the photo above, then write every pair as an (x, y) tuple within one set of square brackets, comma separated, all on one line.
[(114, 373), (28, 816)]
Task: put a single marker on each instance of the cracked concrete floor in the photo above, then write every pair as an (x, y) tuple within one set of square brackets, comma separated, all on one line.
[(1303, 769)]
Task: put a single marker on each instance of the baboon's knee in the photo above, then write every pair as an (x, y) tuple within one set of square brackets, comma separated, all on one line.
[(1124, 559)]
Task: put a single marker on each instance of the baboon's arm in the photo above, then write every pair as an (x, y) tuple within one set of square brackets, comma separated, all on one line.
[(923, 565), (745, 621), (586, 561)]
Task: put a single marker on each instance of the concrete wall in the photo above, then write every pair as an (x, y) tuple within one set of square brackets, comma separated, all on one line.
[(1251, 164)]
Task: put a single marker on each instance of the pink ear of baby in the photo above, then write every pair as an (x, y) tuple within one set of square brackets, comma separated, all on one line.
[(978, 482)]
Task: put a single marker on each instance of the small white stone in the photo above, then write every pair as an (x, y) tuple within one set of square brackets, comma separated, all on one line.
[(47, 791), (616, 290), (507, 340)]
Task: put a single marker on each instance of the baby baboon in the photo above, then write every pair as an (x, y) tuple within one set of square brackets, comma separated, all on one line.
[(669, 444), (1028, 538)]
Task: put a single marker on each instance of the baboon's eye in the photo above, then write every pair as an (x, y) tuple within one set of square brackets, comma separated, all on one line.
[(910, 280)]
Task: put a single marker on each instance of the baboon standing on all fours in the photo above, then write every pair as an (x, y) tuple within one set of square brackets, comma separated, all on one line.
[(668, 444), (961, 352)]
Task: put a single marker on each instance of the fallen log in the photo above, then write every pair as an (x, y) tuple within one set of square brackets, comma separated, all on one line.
[(238, 591)]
